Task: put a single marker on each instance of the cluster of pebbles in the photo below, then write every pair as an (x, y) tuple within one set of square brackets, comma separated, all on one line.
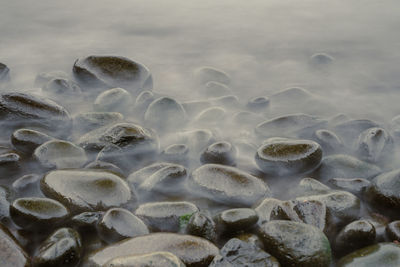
[(143, 179)]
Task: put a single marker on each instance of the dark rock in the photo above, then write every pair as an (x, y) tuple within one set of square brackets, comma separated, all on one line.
[(113, 100), (258, 104), (216, 89), (166, 216), (87, 221), (10, 165), (219, 153), (288, 157), (273, 209), (165, 113), (375, 145), (63, 248), (28, 185), (207, 74), (60, 154), (382, 254), (27, 140), (355, 185), (86, 190), (156, 259), (201, 224), (118, 224), (393, 231), (85, 122), (11, 253), (112, 71), (296, 244), (4, 72), (384, 190), (237, 219), (38, 213), (193, 251), (239, 253), (312, 212), (227, 185)]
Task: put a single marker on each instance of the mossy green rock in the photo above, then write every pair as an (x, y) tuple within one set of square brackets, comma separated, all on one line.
[(296, 244)]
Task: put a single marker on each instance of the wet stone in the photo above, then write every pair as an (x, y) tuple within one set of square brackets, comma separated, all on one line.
[(4, 72), (288, 157), (45, 77), (239, 253), (9, 165), (38, 213), (298, 94), (201, 224), (210, 116), (237, 219), (197, 140), (353, 236), (86, 190), (207, 74), (85, 122), (27, 140), (258, 104), (355, 185), (345, 166), (273, 209), (165, 216), (227, 185), (349, 130), (310, 187), (112, 71), (219, 153), (156, 259), (319, 59), (11, 253), (374, 145), (165, 113), (25, 110), (4, 204), (192, 251), (105, 166), (329, 141), (61, 87), (312, 212), (87, 221), (113, 100), (384, 190), (296, 244), (144, 99), (60, 154), (139, 176), (393, 231), (63, 248), (176, 153), (216, 89), (118, 224), (382, 254), (28, 185)]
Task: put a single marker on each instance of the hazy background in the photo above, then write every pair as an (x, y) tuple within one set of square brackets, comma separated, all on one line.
[(264, 45)]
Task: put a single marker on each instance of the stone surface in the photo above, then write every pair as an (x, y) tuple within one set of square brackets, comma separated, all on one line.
[(165, 113), (393, 231), (28, 185), (113, 100), (156, 259), (88, 121), (201, 224), (355, 185), (374, 145), (207, 74), (61, 88), (27, 140), (221, 152), (384, 190), (237, 219), (11, 253)]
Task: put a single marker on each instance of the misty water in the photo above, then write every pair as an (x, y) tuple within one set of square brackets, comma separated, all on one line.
[(324, 75)]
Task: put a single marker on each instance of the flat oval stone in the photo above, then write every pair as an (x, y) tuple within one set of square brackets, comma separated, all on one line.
[(27, 140), (105, 166), (175, 153), (382, 254), (165, 216), (156, 259), (60, 154), (215, 89), (227, 185), (288, 157), (165, 113), (353, 185), (112, 71), (45, 77), (26, 110), (139, 176), (37, 213), (192, 251), (118, 224), (86, 190), (28, 185), (258, 104), (219, 153), (210, 116), (113, 100), (385, 189), (328, 140), (11, 253), (63, 248), (296, 244), (238, 219)]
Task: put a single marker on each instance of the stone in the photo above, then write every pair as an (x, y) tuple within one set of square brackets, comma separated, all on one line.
[(215, 89), (296, 244), (113, 100), (319, 59), (118, 224), (86, 222), (221, 152), (312, 212), (227, 185), (11, 253), (329, 141), (375, 145), (350, 130), (393, 231), (274, 209), (27, 140), (197, 140), (384, 190), (88, 121), (210, 116), (239, 219), (176, 153), (165, 216), (60, 154), (45, 77), (4, 72), (138, 177), (28, 185), (4, 204), (191, 250), (165, 113), (356, 186), (63, 248), (207, 74), (194, 107), (258, 103), (86, 190), (288, 157), (105, 166), (227, 101), (60, 88), (156, 259), (38, 213), (10, 165), (112, 71), (201, 224)]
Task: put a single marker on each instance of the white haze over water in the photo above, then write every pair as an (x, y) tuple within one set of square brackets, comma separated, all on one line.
[(264, 45)]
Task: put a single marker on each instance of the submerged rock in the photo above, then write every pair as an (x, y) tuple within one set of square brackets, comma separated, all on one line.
[(176, 153), (219, 153), (113, 100), (329, 141), (11, 253), (258, 104), (4, 72), (216, 89), (139, 176), (28, 185), (60, 88), (355, 186), (45, 77), (156, 259), (85, 122), (207, 74), (384, 190), (165, 113), (375, 145), (27, 140)]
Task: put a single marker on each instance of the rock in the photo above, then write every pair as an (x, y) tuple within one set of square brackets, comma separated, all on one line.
[(118, 224), (165, 216), (356, 186), (382, 254), (296, 244), (10, 165), (156, 259), (193, 108), (216, 89), (201, 224), (113, 100), (321, 59), (197, 140), (4, 204), (144, 99), (221, 152), (85, 122), (86, 190), (292, 125), (165, 113), (63, 248), (287, 95), (237, 219), (176, 153), (227, 185), (328, 140), (239, 253), (38, 213), (310, 187), (45, 77), (28, 185), (384, 190), (273, 209), (139, 176), (4, 72), (60, 154), (207, 74), (27, 140), (11, 253), (312, 212), (350, 130), (288, 157), (19, 110), (393, 231), (117, 156), (353, 236), (60, 87), (210, 116), (106, 166), (86, 222), (192, 251), (345, 166), (375, 145), (112, 71), (258, 104)]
